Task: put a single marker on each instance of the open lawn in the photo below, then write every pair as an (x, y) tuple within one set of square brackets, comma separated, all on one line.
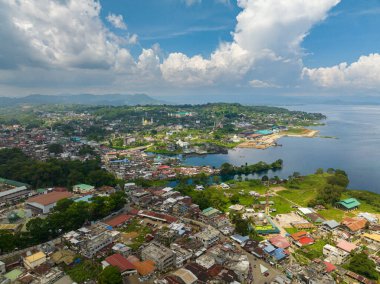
[(334, 214), (281, 205), (313, 251), (84, 271), (298, 196)]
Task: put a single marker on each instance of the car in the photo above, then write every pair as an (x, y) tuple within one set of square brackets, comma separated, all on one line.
[(266, 274)]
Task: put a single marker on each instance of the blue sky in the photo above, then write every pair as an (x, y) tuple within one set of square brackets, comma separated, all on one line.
[(186, 47)]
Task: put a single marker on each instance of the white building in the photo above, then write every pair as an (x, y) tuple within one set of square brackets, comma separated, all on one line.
[(208, 236), (334, 254), (42, 204)]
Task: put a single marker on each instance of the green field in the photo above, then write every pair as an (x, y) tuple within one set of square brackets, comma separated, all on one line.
[(313, 251)]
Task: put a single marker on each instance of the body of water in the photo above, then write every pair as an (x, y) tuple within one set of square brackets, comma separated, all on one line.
[(356, 149)]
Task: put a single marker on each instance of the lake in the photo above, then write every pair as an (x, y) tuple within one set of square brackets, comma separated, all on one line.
[(356, 149)]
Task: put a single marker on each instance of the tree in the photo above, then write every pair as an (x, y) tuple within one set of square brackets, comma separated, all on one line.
[(319, 171), (363, 265), (110, 275), (55, 148)]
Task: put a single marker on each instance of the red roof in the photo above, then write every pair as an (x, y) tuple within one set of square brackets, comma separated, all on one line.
[(306, 241), (299, 235), (120, 262), (280, 242), (133, 211), (329, 267), (118, 220), (50, 198), (346, 246)]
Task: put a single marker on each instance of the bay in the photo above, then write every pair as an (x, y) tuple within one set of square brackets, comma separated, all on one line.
[(356, 148)]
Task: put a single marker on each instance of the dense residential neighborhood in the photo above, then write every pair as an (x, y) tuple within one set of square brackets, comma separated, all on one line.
[(78, 203)]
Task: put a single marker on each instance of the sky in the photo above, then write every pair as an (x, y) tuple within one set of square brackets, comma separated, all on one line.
[(191, 48)]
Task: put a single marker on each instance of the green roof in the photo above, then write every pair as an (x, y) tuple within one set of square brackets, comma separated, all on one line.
[(83, 186), (13, 275), (349, 203), (210, 211), (13, 182)]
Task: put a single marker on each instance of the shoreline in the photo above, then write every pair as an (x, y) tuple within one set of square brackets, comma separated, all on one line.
[(268, 141)]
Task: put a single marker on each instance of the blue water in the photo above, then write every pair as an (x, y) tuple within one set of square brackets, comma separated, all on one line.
[(357, 149)]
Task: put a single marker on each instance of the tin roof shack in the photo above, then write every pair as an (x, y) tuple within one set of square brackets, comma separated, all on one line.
[(348, 204)]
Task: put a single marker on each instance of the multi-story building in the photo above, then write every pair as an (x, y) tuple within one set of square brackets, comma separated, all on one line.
[(208, 236), (334, 254), (162, 256)]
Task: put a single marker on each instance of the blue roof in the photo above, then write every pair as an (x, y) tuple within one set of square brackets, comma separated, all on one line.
[(269, 248), (86, 198), (279, 254), (120, 161), (240, 238), (264, 132)]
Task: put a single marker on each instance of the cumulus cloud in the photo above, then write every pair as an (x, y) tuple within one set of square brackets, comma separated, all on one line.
[(364, 73), (116, 21), (262, 84), (63, 34), (53, 42), (266, 30)]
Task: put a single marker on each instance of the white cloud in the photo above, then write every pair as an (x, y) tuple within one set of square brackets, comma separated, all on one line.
[(364, 73), (269, 31), (117, 21), (59, 34), (262, 84)]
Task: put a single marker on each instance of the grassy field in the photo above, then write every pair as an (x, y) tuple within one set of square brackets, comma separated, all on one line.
[(313, 251), (84, 271)]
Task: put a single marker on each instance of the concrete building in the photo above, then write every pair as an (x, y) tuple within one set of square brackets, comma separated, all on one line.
[(34, 260), (208, 236), (162, 256), (90, 240), (83, 188), (14, 195), (334, 255), (42, 204)]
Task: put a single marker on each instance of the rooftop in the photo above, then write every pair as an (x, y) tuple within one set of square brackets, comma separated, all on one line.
[(349, 203), (118, 220), (35, 257), (50, 198), (120, 262)]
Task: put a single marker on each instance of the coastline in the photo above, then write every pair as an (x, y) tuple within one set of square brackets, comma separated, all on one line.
[(271, 140)]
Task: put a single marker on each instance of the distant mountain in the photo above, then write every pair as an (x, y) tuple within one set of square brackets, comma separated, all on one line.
[(85, 99)]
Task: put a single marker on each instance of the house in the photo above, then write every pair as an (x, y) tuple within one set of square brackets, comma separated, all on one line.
[(119, 220), (302, 238), (83, 188), (369, 217), (354, 225), (90, 240), (240, 239), (279, 242), (42, 204), (346, 246), (34, 260), (348, 204), (236, 208), (209, 236), (334, 255), (185, 275), (162, 256), (372, 241), (330, 225), (124, 265)]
